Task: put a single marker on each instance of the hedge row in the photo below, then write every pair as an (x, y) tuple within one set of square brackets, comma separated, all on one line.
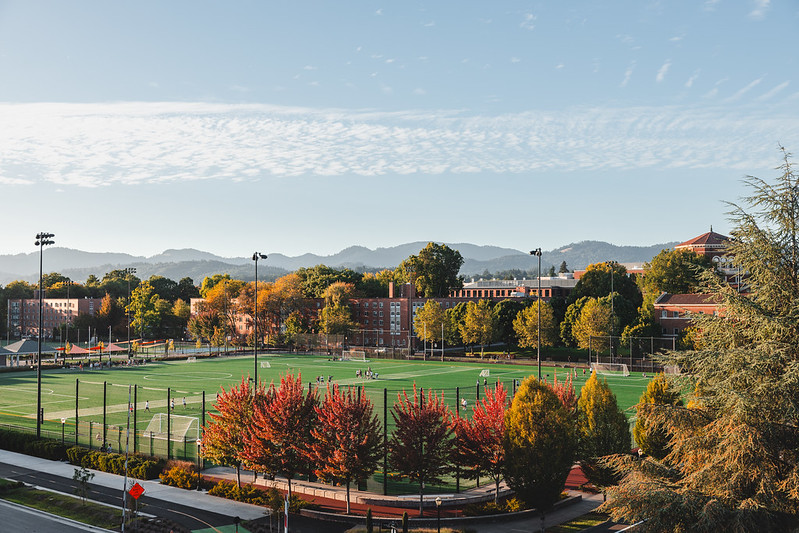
[(139, 467), (23, 442)]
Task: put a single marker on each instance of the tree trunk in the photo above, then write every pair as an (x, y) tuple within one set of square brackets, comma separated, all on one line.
[(238, 475), (348, 496), (289, 483), (496, 493), (421, 499)]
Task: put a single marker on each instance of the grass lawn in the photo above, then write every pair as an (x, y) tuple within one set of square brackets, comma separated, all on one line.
[(66, 506)]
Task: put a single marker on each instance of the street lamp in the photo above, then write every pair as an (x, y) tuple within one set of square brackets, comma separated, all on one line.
[(42, 240), (537, 252), (128, 272), (438, 513), (255, 257)]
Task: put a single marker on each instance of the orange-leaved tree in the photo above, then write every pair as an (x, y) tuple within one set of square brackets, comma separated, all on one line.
[(347, 439), (479, 440), (224, 437), (280, 437), (421, 446)]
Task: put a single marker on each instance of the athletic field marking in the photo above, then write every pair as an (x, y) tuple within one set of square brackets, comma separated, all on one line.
[(190, 376)]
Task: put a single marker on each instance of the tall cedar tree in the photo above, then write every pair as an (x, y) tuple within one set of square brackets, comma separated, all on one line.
[(733, 461), (422, 443), (539, 443), (602, 429), (224, 436), (652, 439), (479, 440), (347, 441), (279, 438)]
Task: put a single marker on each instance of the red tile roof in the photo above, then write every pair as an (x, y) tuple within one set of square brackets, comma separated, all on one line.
[(711, 239), (687, 299)]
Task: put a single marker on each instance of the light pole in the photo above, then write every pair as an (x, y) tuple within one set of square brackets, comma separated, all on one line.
[(128, 273), (255, 257), (42, 240), (537, 252), (611, 264), (199, 448)]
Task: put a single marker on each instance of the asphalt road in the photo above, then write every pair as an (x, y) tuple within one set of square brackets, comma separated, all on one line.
[(23, 520)]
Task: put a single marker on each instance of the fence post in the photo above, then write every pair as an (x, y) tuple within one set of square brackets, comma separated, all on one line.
[(77, 384), (168, 422), (385, 441), (135, 412), (91, 436), (457, 415), (105, 387)]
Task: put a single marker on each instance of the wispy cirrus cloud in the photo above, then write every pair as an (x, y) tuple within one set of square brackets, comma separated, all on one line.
[(93, 145)]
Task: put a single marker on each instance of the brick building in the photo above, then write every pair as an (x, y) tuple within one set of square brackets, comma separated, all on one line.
[(23, 314)]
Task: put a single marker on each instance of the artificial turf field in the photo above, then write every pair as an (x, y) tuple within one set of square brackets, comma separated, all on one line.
[(189, 379)]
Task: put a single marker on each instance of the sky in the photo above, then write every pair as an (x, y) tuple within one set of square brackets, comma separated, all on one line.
[(308, 127)]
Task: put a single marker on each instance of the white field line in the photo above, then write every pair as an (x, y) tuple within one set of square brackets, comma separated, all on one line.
[(121, 407)]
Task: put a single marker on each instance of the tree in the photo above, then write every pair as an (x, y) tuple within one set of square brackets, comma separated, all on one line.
[(187, 290), (434, 271), (421, 445), (594, 321), (347, 441), (505, 312), (142, 308), (224, 437), (526, 326), (539, 444), (563, 268), (478, 324), (479, 440), (165, 288), (733, 460), (650, 437), (316, 280), (336, 320), (279, 438), (602, 429), (430, 322), (674, 272), (597, 282), (569, 319)]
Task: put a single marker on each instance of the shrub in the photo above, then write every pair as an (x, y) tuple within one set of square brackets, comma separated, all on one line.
[(179, 477), (76, 454)]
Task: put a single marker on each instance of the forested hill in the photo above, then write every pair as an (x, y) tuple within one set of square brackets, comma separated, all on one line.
[(176, 264)]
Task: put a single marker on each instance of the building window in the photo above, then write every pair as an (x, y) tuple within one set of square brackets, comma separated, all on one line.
[(675, 314), (664, 314)]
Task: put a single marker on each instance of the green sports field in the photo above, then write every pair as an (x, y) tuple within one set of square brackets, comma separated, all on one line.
[(176, 380)]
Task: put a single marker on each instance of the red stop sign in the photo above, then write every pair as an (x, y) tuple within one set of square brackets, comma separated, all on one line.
[(136, 490)]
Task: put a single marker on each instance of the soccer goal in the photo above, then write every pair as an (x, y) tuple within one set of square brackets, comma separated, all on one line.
[(671, 370), (485, 373), (354, 355), (610, 369), (191, 359), (184, 428), (265, 364)]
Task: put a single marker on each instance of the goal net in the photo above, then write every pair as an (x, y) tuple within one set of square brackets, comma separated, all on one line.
[(485, 373), (671, 370), (191, 359), (184, 428), (265, 364), (610, 369), (354, 355)]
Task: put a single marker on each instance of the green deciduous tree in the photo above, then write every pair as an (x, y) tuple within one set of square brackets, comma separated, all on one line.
[(142, 308), (593, 323), (421, 445), (505, 312), (434, 271), (430, 322), (674, 271), (602, 429), (526, 326), (733, 461), (540, 444)]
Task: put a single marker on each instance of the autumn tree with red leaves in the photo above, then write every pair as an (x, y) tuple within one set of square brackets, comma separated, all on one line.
[(279, 439), (479, 440), (564, 390), (421, 446), (347, 438), (224, 437)]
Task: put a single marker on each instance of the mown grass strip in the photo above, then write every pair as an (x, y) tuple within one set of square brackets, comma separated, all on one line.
[(65, 506)]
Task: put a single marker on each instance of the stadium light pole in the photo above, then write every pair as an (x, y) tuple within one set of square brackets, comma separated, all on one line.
[(537, 252), (42, 240), (255, 257), (128, 272)]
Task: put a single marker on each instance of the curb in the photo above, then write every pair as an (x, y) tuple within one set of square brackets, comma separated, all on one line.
[(57, 518), (427, 521)]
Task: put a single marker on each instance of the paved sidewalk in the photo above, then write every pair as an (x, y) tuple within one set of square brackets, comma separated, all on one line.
[(153, 489)]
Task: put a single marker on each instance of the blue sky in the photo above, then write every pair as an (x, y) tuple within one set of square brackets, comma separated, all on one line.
[(300, 126)]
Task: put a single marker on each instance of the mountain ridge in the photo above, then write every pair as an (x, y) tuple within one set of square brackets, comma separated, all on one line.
[(178, 263)]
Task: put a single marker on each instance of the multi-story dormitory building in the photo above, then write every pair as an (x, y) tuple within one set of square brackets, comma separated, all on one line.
[(23, 314), (388, 322)]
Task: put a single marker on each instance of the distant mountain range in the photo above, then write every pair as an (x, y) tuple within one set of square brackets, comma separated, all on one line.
[(196, 264)]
